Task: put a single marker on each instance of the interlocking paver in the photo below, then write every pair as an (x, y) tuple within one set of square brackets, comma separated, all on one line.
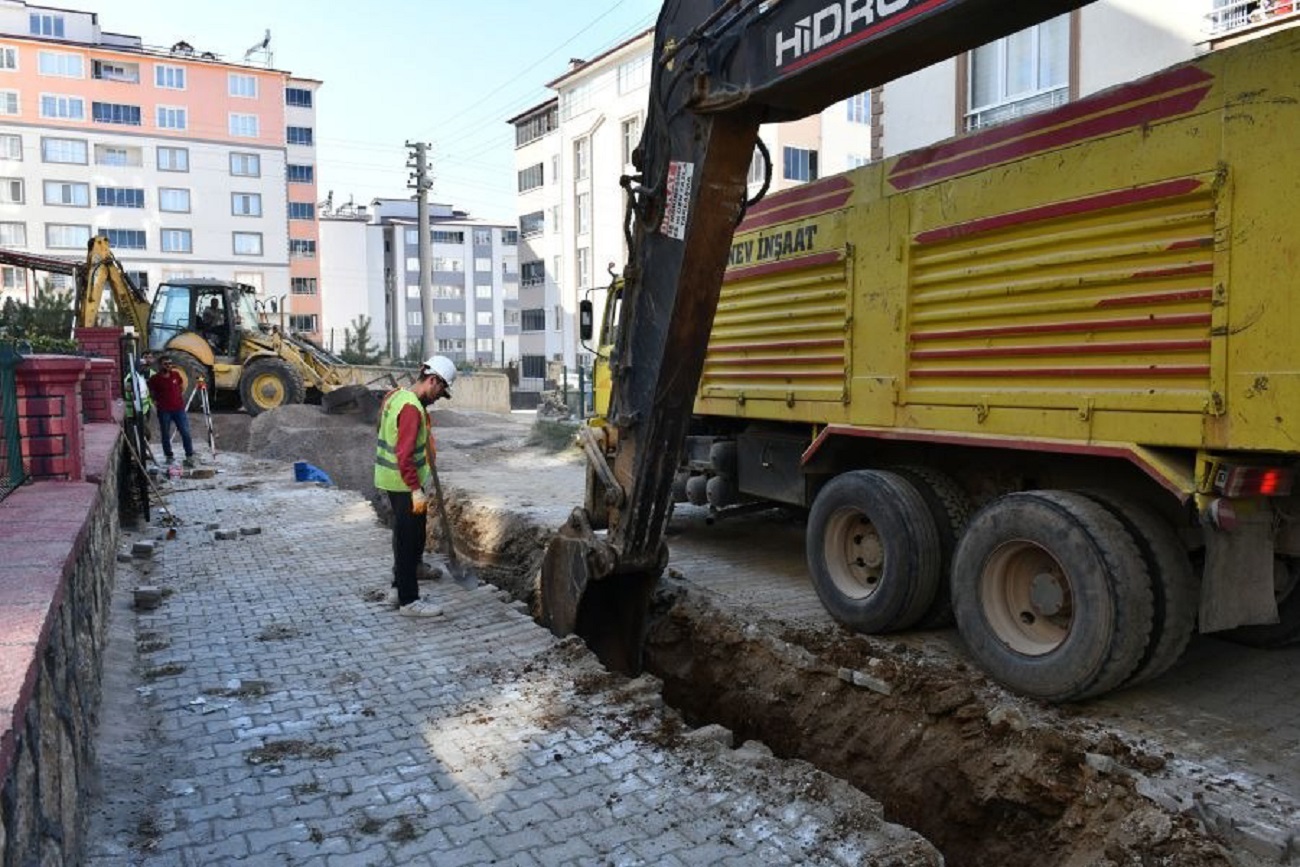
[(304, 725)]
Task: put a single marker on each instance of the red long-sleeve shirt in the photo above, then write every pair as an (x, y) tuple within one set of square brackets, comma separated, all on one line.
[(168, 390), (408, 429)]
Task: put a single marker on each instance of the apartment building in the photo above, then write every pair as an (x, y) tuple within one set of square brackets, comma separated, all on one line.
[(192, 165), (574, 220), (542, 319), (475, 283)]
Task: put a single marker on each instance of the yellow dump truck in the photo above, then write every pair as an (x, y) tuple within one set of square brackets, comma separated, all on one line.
[(1043, 376)]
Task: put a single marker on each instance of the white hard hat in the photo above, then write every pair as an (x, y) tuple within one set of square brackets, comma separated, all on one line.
[(444, 368)]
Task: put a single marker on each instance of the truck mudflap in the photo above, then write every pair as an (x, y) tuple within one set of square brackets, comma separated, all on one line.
[(582, 593)]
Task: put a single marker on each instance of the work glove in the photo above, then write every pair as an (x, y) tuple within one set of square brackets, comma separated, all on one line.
[(419, 503)]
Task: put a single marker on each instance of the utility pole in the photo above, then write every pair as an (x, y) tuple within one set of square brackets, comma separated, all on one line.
[(421, 182)]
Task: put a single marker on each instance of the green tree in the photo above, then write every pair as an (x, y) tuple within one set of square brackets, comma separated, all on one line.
[(357, 347), (45, 324)]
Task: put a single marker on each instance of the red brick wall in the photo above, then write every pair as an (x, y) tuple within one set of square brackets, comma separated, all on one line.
[(50, 415), (104, 343), (97, 390)]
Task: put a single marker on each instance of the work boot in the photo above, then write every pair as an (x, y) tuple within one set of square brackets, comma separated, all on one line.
[(188, 463), (421, 607)]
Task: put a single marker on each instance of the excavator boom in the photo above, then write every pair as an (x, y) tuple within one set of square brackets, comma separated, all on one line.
[(720, 69)]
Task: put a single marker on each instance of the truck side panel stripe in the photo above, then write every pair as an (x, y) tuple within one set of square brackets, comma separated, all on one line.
[(770, 268), (1176, 320), (801, 193), (1142, 370), (1124, 346)]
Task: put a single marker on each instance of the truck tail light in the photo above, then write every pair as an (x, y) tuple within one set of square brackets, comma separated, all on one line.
[(1240, 481)]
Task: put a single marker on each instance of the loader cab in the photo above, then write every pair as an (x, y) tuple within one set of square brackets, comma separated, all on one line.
[(212, 310)]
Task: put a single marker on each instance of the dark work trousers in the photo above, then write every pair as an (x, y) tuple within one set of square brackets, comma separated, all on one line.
[(181, 419), (408, 546)]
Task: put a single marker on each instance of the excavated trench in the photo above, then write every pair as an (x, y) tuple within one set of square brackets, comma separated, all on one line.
[(986, 777)]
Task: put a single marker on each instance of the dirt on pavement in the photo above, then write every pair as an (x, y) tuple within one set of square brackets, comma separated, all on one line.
[(988, 777)]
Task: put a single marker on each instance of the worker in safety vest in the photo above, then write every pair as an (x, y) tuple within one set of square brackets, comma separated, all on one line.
[(135, 385), (403, 461)]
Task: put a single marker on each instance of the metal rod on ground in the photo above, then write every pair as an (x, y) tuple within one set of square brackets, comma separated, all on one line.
[(459, 573), (207, 416)]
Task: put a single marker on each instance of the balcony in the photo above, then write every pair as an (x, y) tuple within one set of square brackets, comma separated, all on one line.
[(1239, 16)]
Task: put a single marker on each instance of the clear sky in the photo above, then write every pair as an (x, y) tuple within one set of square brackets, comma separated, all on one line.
[(448, 72)]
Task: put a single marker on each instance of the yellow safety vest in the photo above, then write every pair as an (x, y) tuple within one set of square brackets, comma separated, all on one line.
[(387, 475), (146, 399)]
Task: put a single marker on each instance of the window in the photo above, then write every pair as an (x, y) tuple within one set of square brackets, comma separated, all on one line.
[(533, 366), (532, 320), (532, 273), (536, 126), (139, 278), (298, 135), (302, 285), (581, 159), (556, 214), (412, 264), (169, 77), (11, 191), (634, 74), (251, 278), (13, 234), (483, 345), (441, 237), (171, 118), (8, 57), (125, 239), (483, 264), (483, 238), (447, 290), (757, 168), (1020, 74), (300, 174), (11, 278), (299, 96), (114, 70), (512, 318), (115, 113), (303, 322), (530, 178), (576, 101), (532, 224), (246, 204), (799, 164), (173, 159), (244, 125), (412, 290), (415, 319), (62, 236), (118, 155), (559, 316), (582, 225), (245, 165), (119, 197), (247, 243), (68, 193), (510, 237), (451, 317), (583, 264), (177, 241), (630, 131), (859, 108), (61, 107), (448, 263), (483, 317), (11, 146), (174, 199), (303, 248), (60, 64), (483, 290), (9, 102), (45, 25), (243, 85), (853, 161), (302, 211), (64, 150)]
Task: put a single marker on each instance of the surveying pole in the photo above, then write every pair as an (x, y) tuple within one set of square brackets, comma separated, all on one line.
[(421, 183)]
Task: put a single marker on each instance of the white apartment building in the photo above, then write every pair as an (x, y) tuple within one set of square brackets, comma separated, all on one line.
[(351, 269), (475, 283), (601, 105), (191, 165)]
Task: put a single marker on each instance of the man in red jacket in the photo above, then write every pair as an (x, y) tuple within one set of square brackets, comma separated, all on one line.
[(168, 391)]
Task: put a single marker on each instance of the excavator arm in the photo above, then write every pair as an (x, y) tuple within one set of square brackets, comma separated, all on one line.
[(720, 69), (99, 269)]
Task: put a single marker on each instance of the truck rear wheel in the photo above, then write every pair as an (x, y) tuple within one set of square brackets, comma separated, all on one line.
[(873, 551), (1051, 595), (268, 383), (1286, 583), (951, 509), (1175, 590)]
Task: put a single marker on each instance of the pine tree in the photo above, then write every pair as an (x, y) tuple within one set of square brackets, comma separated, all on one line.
[(357, 348)]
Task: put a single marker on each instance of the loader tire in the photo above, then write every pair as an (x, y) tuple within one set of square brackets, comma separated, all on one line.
[(1286, 582), (268, 383), (1051, 595), (873, 551)]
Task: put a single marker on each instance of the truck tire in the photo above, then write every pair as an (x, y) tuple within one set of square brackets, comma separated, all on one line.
[(268, 383), (1286, 581), (951, 509), (1051, 595), (873, 551), (191, 371), (1175, 590)]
